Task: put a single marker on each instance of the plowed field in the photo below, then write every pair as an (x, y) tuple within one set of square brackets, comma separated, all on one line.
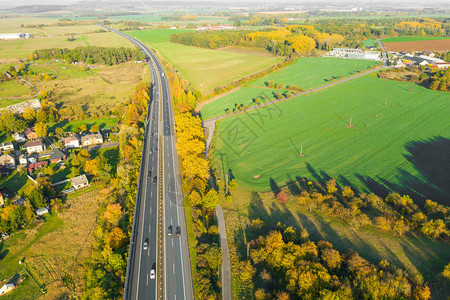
[(433, 45)]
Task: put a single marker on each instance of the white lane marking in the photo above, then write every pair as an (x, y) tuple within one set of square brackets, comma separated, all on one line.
[(151, 194), (150, 228), (172, 242), (170, 203), (173, 266), (171, 222), (147, 279)]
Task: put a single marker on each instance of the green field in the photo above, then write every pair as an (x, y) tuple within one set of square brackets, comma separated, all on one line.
[(205, 69), (398, 139), (311, 72), (306, 73), (412, 39), (243, 96), (13, 88)]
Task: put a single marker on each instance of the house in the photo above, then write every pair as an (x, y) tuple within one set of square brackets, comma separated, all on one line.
[(19, 137), (6, 288), (35, 146), (2, 200), (20, 201), (42, 211), (57, 156), (30, 134), (91, 139), (8, 146), (23, 159), (8, 161), (71, 142), (37, 165), (79, 182)]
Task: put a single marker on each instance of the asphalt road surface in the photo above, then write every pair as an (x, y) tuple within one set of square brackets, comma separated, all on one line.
[(177, 281)]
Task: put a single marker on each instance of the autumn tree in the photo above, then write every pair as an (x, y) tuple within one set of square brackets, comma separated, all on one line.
[(113, 214), (41, 129), (116, 238), (211, 200)]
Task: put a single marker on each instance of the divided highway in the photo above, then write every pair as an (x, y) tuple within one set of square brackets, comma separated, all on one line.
[(159, 192)]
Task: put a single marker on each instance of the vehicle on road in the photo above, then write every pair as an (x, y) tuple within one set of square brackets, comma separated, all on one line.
[(146, 244), (156, 149), (169, 231), (153, 272), (178, 230), (154, 179), (150, 152), (149, 174)]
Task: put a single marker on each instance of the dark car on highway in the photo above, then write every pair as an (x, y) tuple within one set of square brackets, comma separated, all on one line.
[(149, 174), (154, 179), (178, 230), (169, 231)]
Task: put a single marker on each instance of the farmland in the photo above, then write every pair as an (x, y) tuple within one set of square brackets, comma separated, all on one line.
[(397, 140), (205, 69), (242, 96), (432, 45), (413, 39), (311, 72), (12, 89), (306, 73)]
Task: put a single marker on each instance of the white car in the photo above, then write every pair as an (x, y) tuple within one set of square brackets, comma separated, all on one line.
[(152, 274), (146, 244)]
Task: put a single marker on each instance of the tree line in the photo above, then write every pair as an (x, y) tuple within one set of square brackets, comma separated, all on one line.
[(106, 268), (90, 55), (284, 41)]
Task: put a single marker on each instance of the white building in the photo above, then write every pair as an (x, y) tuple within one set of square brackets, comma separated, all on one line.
[(42, 211), (6, 288), (71, 142), (19, 137), (79, 182), (91, 139), (34, 146), (8, 146)]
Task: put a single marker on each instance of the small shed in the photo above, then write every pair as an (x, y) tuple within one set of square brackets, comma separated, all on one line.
[(6, 288), (42, 211)]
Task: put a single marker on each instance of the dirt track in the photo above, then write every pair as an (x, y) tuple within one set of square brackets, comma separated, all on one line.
[(433, 45)]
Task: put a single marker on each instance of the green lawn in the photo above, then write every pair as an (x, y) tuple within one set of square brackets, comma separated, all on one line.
[(306, 73), (243, 96), (13, 88), (73, 125), (205, 69), (311, 72), (412, 39), (61, 70), (15, 182), (401, 145)]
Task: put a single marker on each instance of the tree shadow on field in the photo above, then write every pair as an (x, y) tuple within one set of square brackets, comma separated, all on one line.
[(431, 158)]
